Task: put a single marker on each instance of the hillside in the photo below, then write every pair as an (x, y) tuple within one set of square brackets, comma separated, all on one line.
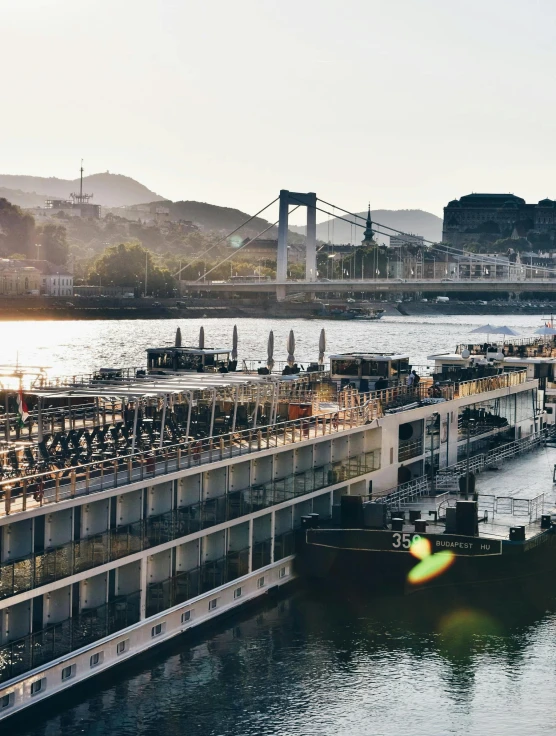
[(222, 219), (110, 190), (417, 222)]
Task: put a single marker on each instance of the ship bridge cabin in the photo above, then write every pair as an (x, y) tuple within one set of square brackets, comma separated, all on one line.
[(365, 370), (187, 360), (466, 365)]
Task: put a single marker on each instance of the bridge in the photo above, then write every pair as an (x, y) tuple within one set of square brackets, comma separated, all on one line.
[(284, 287)]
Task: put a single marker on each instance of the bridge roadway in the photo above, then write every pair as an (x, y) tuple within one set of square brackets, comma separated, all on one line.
[(397, 286)]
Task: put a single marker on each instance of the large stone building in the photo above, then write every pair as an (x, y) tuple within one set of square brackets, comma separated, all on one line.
[(494, 216), (17, 278)]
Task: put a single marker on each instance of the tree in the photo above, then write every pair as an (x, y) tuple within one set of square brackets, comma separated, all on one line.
[(54, 243), (125, 265), (17, 230)]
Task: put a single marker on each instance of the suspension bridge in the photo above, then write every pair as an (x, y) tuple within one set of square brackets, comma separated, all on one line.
[(482, 269)]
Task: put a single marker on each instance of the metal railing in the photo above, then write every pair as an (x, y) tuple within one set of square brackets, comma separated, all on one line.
[(407, 396), (532, 508), (55, 641), (448, 477), (45, 567), (37, 489), (404, 493), (410, 448)]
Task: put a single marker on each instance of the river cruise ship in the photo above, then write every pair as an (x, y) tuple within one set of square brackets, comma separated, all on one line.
[(136, 504)]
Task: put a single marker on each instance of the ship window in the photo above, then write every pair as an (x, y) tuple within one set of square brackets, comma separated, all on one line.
[(260, 583), (68, 672), (282, 573), (345, 367), (38, 686), (97, 659), (237, 593), (122, 646), (158, 629), (6, 701), (213, 603), (186, 616)]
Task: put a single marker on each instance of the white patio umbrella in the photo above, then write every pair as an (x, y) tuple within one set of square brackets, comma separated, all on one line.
[(178, 338), (290, 345), (546, 330), (202, 338), (270, 351), (322, 346), (493, 330), (234, 343), (505, 330)]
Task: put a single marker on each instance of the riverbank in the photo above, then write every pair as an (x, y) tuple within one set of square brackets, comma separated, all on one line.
[(74, 308)]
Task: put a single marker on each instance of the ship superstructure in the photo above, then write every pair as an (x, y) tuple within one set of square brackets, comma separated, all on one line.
[(135, 505)]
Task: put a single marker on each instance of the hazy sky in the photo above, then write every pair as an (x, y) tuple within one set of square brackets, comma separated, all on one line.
[(408, 103)]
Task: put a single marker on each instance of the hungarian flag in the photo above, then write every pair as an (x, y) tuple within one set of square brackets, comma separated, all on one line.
[(22, 413)]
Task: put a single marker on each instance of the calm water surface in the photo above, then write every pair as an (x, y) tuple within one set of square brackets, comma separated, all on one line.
[(311, 664)]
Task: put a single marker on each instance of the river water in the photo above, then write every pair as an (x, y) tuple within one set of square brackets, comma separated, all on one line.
[(313, 663)]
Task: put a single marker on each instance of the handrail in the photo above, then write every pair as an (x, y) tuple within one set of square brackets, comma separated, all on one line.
[(53, 486)]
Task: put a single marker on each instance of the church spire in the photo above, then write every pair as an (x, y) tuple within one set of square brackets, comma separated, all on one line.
[(368, 235)]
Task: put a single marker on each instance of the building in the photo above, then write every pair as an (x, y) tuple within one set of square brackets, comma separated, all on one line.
[(495, 216), (18, 278), (55, 280), (401, 241)]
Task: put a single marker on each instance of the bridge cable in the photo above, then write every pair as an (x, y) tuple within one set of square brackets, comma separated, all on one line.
[(483, 257), (236, 251), (441, 247), (229, 235)]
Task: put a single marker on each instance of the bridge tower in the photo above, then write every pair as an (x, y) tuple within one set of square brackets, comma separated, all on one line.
[(308, 200)]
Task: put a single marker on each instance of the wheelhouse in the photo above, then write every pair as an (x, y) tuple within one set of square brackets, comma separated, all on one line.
[(199, 360), (363, 370)]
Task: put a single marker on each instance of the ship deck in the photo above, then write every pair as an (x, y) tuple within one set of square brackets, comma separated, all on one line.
[(515, 493)]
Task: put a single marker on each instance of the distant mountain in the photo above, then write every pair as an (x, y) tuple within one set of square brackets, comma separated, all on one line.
[(22, 199), (416, 222), (109, 190)]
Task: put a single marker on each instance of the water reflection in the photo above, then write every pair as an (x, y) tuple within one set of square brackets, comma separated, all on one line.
[(318, 664)]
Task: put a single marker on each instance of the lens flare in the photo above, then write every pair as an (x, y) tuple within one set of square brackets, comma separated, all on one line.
[(420, 548), (431, 567)]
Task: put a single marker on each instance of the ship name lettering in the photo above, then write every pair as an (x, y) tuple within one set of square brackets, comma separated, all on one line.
[(485, 546), (454, 545)]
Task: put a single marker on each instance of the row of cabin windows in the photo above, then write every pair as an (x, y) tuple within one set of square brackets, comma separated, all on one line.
[(39, 686), (97, 658)]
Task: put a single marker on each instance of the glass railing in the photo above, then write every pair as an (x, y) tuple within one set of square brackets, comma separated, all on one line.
[(38, 489), (53, 564), (283, 545), (186, 585), (60, 639)]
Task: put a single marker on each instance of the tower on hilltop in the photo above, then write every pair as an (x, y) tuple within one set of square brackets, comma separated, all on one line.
[(79, 199)]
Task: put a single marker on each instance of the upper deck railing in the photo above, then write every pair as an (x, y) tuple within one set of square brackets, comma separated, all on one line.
[(37, 489), (521, 347), (406, 397)]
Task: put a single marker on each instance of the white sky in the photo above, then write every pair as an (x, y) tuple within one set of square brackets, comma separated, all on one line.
[(406, 103)]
